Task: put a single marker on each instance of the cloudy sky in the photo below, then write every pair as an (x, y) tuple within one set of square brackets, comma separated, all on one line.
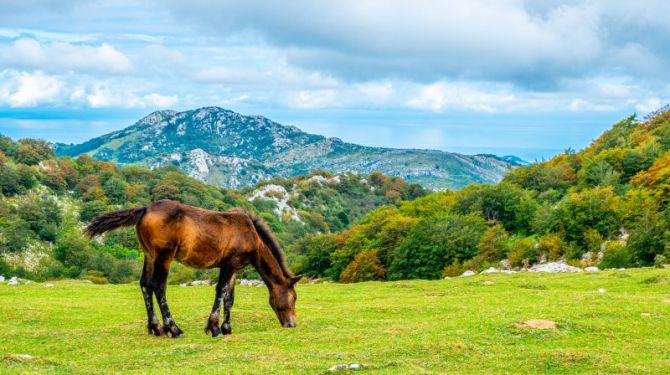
[(505, 76)]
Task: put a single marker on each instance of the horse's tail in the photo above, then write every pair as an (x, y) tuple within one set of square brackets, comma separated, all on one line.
[(271, 242), (113, 220)]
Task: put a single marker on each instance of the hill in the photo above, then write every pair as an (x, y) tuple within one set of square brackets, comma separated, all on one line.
[(44, 201), (468, 325), (228, 149), (606, 205)]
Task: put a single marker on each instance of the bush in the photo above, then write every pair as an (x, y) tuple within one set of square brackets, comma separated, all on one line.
[(94, 276), (523, 252), (660, 260), (365, 267), (435, 242), (453, 269), (180, 274), (616, 255)]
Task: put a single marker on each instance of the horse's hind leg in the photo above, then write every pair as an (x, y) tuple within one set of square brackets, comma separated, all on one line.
[(228, 299), (159, 283), (153, 325), (219, 298)]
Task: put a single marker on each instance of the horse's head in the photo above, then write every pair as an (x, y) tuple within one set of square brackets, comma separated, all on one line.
[(282, 300)]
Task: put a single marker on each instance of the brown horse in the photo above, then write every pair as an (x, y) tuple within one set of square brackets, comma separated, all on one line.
[(203, 239)]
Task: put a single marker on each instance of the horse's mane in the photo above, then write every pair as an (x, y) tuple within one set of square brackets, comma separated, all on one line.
[(271, 242)]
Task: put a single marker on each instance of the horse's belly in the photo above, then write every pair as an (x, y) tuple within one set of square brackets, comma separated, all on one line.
[(197, 258)]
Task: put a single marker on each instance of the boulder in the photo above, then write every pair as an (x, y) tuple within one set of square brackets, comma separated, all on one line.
[(468, 273), (199, 282), (250, 282), (592, 269), (2, 279), (491, 270), (347, 367), (13, 281), (554, 267)]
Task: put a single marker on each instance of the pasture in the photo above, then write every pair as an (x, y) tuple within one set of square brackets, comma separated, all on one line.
[(606, 322)]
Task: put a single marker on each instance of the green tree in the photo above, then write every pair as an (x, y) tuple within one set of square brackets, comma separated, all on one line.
[(435, 242)]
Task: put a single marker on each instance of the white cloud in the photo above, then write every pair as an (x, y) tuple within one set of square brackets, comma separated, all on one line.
[(29, 89), (63, 56), (650, 105), (438, 96), (312, 99), (101, 96)]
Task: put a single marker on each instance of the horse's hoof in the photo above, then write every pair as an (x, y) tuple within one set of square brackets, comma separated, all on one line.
[(156, 330), (226, 330), (178, 335), (213, 329)]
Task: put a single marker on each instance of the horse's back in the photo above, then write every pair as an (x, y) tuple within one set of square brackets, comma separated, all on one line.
[(198, 237)]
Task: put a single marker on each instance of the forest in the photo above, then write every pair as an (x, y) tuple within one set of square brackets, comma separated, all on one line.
[(606, 205)]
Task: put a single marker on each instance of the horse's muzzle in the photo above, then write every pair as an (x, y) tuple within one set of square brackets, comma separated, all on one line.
[(290, 323)]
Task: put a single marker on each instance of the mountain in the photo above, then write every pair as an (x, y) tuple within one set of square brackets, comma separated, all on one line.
[(228, 149)]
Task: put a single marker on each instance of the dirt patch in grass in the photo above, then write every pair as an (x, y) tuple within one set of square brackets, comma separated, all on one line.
[(566, 360), (533, 286), (539, 324), (655, 280)]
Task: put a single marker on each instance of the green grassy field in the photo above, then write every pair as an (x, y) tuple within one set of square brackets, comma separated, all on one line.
[(462, 325)]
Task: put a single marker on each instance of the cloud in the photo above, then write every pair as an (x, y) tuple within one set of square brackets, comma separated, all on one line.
[(439, 96), (533, 45), (29, 89), (63, 56), (101, 96)]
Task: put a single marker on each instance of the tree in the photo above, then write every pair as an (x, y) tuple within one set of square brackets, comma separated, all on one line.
[(32, 151), (435, 242), (365, 267), (492, 245)]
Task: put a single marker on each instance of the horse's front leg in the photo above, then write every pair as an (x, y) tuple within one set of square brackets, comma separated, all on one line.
[(225, 275), (159, 282)]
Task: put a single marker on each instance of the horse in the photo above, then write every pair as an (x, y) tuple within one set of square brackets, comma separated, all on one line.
[(200, 238)]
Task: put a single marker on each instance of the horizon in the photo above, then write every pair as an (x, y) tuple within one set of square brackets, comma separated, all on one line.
[(511, 78)]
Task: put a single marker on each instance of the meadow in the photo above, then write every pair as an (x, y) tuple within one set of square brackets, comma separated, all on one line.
[(606, 322)]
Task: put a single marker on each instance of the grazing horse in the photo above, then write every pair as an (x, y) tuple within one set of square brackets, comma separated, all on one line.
[(201, 238)]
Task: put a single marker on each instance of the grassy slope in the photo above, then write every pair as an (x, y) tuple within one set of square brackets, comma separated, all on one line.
[(458, 325)]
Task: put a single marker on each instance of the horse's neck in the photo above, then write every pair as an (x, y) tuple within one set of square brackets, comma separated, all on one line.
[(268, 267)]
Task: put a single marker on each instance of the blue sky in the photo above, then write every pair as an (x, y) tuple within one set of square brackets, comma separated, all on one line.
[(524, 77)]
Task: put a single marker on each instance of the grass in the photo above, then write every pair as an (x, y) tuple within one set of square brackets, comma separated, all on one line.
[(462, 325)]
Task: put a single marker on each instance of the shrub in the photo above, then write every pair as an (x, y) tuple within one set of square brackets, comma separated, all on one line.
[(435, 242), (492, 245), (365, 267), (180, 274), (523, 252), (660, 260), (616, 255), (94, 276), (453, 269)]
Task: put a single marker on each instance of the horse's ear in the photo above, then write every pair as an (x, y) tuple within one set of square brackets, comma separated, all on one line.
[(295, 279)]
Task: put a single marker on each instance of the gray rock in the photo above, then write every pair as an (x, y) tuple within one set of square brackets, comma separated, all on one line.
[(468, 273), (13, 281), (491, 270), (553, 267), (199, 282), (249, 282), (2, 279), (346, 367), (592, 269)]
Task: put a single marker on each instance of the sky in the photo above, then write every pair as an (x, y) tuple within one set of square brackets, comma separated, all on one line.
[(529, 78)]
